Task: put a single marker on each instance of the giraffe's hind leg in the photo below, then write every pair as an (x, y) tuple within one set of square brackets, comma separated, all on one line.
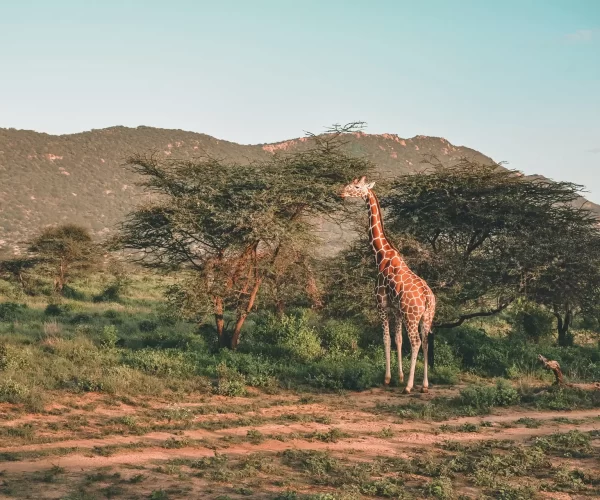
[(425, 330), (382, 304), (425, 345)]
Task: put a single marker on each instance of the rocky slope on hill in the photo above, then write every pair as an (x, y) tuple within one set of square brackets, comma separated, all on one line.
[(80, 178)]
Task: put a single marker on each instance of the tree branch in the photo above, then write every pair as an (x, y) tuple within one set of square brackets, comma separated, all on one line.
[(479, 314)]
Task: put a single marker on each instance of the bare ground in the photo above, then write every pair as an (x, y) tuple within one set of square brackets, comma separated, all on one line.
[(94, 446)]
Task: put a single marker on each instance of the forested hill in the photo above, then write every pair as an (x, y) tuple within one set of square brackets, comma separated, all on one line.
[(47, 179)]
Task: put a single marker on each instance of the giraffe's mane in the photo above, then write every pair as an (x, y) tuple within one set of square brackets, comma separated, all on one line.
[(380, 214)]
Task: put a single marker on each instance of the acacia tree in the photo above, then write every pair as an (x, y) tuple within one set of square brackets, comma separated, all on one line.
[(291, 279), (17, 270), (65, 252), (491, 235), (226, 225), (570, 283)]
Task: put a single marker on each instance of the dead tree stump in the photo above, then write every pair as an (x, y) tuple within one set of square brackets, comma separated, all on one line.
[(554, 367)]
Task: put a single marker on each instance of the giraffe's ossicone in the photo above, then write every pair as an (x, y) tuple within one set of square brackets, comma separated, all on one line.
[(398, 290)]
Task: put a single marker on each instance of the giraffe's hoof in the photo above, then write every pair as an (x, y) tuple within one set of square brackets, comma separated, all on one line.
[(424, 389), (406, 390), (387, 380)]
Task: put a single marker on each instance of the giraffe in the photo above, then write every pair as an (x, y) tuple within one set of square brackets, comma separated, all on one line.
[(398, 288)]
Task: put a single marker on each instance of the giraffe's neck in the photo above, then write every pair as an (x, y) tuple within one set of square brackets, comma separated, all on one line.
[(377, 237)]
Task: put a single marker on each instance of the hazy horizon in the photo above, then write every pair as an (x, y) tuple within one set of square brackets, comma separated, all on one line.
[(517, 81)]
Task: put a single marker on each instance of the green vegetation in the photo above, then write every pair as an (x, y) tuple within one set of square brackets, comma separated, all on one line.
[(245, 318), (63, 252)]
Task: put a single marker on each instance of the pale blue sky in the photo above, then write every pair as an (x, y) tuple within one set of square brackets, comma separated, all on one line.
[(518, 80)]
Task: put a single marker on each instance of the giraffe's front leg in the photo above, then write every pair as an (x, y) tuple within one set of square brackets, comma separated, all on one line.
[(387, 342), (415, 344)]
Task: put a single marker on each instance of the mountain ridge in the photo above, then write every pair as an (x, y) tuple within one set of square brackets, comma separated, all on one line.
[(48, 179)]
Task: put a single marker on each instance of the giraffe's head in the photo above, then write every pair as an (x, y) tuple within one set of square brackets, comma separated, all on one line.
[(358, 188)]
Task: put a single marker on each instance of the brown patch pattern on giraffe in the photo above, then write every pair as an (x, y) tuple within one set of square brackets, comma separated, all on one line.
[(398, 289)]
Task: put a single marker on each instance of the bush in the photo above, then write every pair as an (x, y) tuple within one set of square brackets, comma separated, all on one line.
[(11, 311), (110, 337), (291, 335), (440, 488), (480, 398), (81, 318), (352, 374), (173, 340), (444, 375), (111, 314), (506, 394), (4, 359), (54, 309), (229, 382), (341, 337), (12, 391), (147, 325), (560, 398), (70, 293), (257, 370), (110, 294), (445, 355), (533, 322), (167, 362)]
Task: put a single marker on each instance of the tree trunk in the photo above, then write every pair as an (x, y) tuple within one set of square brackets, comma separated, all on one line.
[(243, 314), (60, 280), (279, 308), (554, 367), (562, 325), (219, 321)]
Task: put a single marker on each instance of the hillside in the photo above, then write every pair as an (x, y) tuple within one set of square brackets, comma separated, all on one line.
[(46, 179)]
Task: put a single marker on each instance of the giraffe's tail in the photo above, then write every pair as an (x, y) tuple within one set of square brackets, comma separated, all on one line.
[(428, 335)]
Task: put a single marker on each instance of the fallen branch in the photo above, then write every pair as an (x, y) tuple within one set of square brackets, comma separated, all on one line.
[(554, 367)]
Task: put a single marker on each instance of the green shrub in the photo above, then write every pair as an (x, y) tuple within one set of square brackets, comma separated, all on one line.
[(257, 370), (12, 391), (4, 359), (166, 362), (80, 318), (444, 375), (572, 398), (440, 488), (229, 382), (291, 335), (112, 293), (533, 322), (445, 355), (173, 340), (506, 394), (481, 398), (569, 444), (54, 309), (341, 336), (110, 336), (352, 374), (147, 325), (11, 311), (70, 293), (14, 356)]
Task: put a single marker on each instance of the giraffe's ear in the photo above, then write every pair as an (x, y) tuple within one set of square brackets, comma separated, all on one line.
[(370, 186), (355, 181)]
